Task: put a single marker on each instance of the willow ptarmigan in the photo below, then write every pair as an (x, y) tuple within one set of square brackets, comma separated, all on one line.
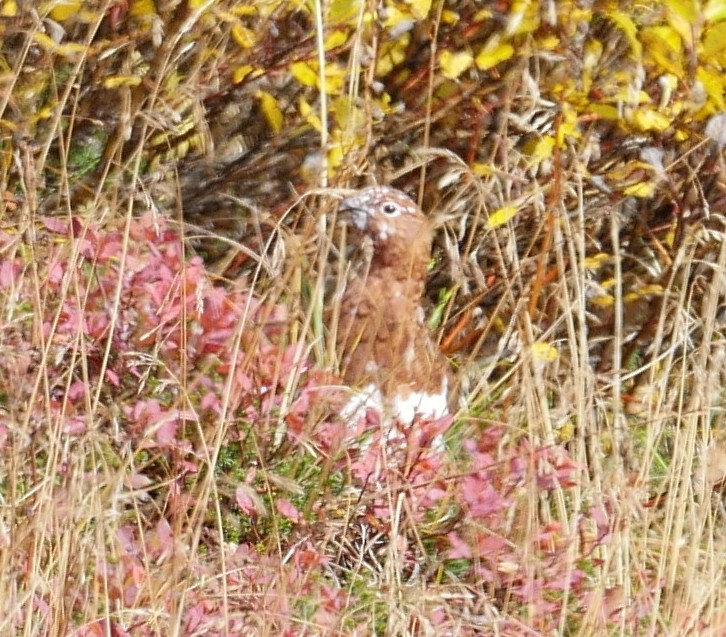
[(386, 352)]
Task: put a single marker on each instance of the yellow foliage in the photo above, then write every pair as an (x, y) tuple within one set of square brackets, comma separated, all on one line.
[(649, 119), (419, 8), (335, 39), (344, 11), (449, 17), (628, 170), (651, 288), (392, 54), (307, 74), (454, 64), (713, 46), (241, 72), (271, 110), (523, 17), (347, 115), (310, 117), (394, 17), (142, 8), (539, 149), (501, 216), (339, 148), (64, 9), (544, 353), (482, 14), (116, 81), (335, 76), (627, 26), (483, 170), (304, 73), (244, 37), (64, 50), (244, 11), (593, 53), (603, 300), (713, 82), (683, 16), (603, 111), (643, 190), (664, 46), (714, 11), (9, 9), (569, 127), (596, 261), (549, 43), (493, 52)]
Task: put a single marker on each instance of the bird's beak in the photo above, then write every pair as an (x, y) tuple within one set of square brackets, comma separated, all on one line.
[(359, 217)]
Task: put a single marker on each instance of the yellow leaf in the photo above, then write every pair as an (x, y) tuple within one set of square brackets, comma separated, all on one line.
[(241, 72), (664, 46), (9, 9), (648, 119), (449, 17), (307, 112), (493, 52), (244, 37), (392, 54), (683, 16), (713, 82), (566, 432), (63, 10), (569, 128), (681, 135), (64, 50), (501, 216), (643, 190), (142, 8), (335, 39), (419, 8), (544, 353), (43, 113), (651, 288), (343, 11), (596, 261), (454, 64), (549, 43), (483, 170), (244, 11), (271, 110), (335, 76), (714, 11), (304, 74), (714, 43), (347, 116), (603, 111), (603, 300), (627, 26), (593, 53), (395, 18), (115, 81), (523, 17), (542, 149)]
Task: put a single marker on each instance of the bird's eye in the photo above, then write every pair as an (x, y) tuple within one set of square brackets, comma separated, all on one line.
[(390, 208)]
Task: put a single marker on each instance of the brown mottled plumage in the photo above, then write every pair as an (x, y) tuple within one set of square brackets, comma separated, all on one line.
[(385, 348)]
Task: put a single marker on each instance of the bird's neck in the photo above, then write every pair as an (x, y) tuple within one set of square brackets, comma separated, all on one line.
[(409, 262)]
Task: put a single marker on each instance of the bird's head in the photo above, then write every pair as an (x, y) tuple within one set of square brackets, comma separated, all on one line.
[(399, 230)]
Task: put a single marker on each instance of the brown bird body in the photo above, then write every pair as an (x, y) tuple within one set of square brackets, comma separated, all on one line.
[(385, 348)]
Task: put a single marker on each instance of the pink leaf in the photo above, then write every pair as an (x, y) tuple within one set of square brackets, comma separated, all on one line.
[(286, 508), (459, 549)]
